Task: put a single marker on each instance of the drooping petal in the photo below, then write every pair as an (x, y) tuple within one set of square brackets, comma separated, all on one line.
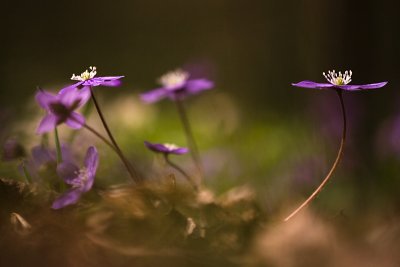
[(91, 164), (70, 87), (70, 98), (313, 85), (48, 123), (198, 85), (45, 98), (84, 95), (75, 120), (154, 95), (68, 172), (68, 198)]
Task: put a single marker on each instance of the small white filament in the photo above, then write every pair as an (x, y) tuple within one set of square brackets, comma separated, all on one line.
[(338, 78)]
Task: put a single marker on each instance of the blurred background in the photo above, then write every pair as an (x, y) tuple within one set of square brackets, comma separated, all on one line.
[(254, 128)]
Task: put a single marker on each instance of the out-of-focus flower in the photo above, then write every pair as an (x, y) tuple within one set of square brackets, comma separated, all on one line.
[(176, 85), (338, 81), (12, 150), (88, 79), (60, 108), (81, 180), (166, 148)]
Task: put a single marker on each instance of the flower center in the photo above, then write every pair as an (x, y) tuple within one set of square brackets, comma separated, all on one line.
[(170, 146), (338, 78), (174, 78), (82, 177), (86, 75)]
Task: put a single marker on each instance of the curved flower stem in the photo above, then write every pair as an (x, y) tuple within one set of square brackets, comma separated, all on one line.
[(121, 156), (130, 168), (334, 166), (194, 152), (179, 169)]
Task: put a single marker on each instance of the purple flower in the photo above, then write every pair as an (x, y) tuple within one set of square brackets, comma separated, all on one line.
[(88, 79), (81, 180), (176, 85), (166, 148), (60, 108), (338, 81)]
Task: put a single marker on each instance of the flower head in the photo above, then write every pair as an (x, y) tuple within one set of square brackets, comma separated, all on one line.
[(88, 79), (60, 108), (338, 81), (166, 148), (81, 180), (176, 85)]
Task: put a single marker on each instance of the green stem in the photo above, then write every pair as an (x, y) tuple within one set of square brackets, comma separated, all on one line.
[(131, 170), (58, 146), (179, 169), (28, 177), (335, 164), (194, 152)]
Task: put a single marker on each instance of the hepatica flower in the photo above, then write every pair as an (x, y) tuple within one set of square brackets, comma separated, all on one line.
[(176, 85), (338, 81), (166, 148), (88, 79), (81, 180), (61, 108)]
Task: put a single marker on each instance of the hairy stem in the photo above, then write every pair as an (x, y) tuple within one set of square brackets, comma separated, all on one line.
[(194, 152), (334, 166), (129, 167), (179, 169)]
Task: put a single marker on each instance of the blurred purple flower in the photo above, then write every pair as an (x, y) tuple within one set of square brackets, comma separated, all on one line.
[(166, 148), (338, 81), (176, 85), (88, 79), (12, 150), (81, 180), (60, 108)]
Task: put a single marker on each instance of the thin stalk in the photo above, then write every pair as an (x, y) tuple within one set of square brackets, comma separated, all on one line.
[(58, 146), (129, 167), (28, 177), (120, 155), (334, 166), (179, 169), (194, 152)]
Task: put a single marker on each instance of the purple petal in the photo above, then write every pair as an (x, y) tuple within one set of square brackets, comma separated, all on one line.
[(198, 85), (45, 98), (75, 120), (104, 81), (68, 172), (74, 97), (70, 197), (179, 151), (48, 123), (91, 164), (70, 87), (352, 87), (161, 148), (41, 155), (84, 95), (154, 95), (313, 85)]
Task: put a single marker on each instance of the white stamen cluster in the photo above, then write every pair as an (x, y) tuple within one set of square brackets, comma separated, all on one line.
[(86, 75), (338, 78), (174, 78), (171, 146)]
